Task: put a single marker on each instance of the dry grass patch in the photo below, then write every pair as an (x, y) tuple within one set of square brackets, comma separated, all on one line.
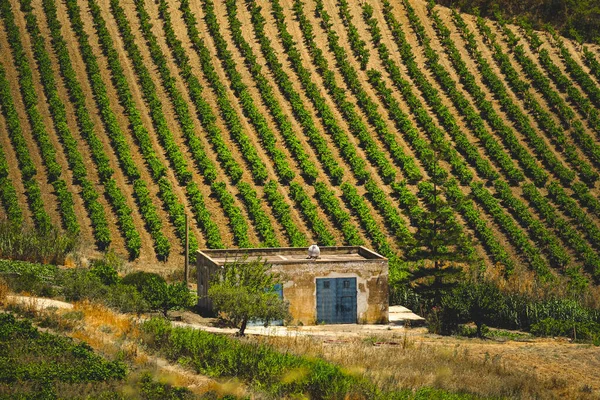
[(452, 364)]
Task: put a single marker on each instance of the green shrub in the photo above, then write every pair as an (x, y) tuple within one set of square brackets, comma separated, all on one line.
[(152, 390), (159, 295), (105, 272), (126, 299), (572, 329), (79, 284)]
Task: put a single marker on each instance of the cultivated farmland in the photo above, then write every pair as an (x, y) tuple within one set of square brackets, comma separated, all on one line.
[(289, 122)]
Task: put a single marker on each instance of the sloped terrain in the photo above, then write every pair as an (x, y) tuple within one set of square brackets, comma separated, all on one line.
[(286, 123)]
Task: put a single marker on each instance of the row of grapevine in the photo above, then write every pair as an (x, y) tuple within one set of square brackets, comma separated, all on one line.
[(579, 191), (436, 135), (538, 233), (204, 164), (345, 107), (282, 121), (114, 132), (247, 149), (357, 204), (302, 115), (261, 220), (391, 216), (310, 214), (285, 85), (576, 72), (402, 121), (8, 194), (592, 63), (562, 81), (564, 84), (308, 169), (358, 46), (541, 82), (41, 219), (236, 218), (331, 205), (512, 144), (248, 195), (38, 129), (208, 120), (170, 201), (563, 228), (364, 101), (473, 218), (374, 77), (313, 92), (574, 95), (570, 208), (556, 254), (203, 109), (474, 121), (282, 211), (148, 89), (57, 109), (555, 133), (250, 110), (496, 86)]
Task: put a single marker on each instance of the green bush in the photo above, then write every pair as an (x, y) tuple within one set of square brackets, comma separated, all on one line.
[(105, 272), (159, 295), (152, 390), (572, 329), (81, 284), (126, 299)]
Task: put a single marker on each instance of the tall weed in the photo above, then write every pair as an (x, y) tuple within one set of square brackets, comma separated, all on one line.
[(21, 242)]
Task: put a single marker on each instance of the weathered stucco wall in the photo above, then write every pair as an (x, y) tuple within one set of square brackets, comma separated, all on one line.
[(300, 275), (300, 288)]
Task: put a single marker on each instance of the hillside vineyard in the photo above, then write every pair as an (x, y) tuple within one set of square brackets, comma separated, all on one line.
[(289, 122)]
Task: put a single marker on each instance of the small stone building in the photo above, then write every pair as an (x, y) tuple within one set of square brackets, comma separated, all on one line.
[(342, 285)]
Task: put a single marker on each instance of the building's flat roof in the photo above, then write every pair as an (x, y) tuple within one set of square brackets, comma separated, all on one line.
[(291, 255)]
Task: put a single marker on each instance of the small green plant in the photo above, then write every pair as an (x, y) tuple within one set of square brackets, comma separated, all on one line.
[(80, 284), (107, 268), (245, 291)]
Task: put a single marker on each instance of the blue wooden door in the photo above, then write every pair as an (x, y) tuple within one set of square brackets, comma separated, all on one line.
[(336, 300)]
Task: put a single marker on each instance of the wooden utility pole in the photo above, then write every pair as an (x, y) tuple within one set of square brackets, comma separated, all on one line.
[(187, 251)]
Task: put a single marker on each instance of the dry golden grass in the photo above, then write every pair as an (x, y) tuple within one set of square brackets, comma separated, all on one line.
[(481, 367)]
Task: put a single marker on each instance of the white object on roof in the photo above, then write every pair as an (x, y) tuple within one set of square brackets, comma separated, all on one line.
[(314, 252)]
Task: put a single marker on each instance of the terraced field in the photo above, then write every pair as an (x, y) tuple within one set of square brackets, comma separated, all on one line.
[(289, 122)]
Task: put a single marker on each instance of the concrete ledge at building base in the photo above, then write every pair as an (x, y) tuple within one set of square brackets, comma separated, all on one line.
[(400, 315)]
